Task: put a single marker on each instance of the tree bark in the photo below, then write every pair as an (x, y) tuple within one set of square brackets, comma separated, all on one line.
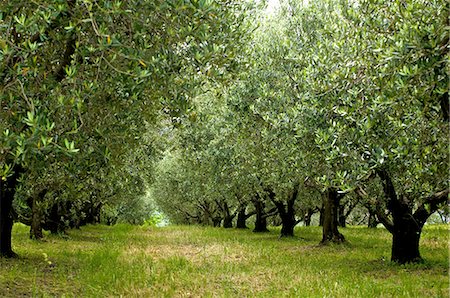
[(330, 232), (7, 191), (241, 217), (344, 214), (36, 216), (405, 234), (307, 218), (405, 241), (341, 217), (322, 215), (288, 224), (406, 226), (206, 216), (286, 212), (260, 220), (227, 216), (227, 222)]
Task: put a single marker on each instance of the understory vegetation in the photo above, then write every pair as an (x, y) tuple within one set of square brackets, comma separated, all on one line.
[(194, 261)]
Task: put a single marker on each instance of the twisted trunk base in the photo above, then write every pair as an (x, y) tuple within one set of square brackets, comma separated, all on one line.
[(330, 232)]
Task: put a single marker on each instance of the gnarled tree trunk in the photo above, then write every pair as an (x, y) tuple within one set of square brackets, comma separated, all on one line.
[(228, 216), (288, 224), (406, 226), (330, 232), (405, 241), (241, 217), (286, 212), (7, 191), (260, 220), (345, 210)]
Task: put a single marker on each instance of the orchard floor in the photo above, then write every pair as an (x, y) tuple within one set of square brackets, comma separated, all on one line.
[(191, 261)]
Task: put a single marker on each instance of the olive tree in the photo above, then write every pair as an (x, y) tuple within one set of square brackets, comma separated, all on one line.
[(82, 75), (385, 97)]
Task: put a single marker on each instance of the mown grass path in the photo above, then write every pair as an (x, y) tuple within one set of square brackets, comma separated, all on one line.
[(183, 261)]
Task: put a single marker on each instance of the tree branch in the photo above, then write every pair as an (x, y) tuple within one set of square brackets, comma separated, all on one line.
[(67, 58), (433, 202), (218, 203), (281, 208), (271, 212), (308, 182), (388, 189), (361, 192), (437, 198), (188, 215), (382, 217), (351, 207), (247, 216)]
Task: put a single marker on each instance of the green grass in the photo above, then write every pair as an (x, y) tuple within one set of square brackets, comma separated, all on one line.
[(182, 261)]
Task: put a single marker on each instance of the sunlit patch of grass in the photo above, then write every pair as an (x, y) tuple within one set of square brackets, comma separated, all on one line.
[(194, 253), (193, 261)]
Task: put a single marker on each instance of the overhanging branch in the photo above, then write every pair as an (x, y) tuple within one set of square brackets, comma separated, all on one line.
[(382, 217), (430, 205)]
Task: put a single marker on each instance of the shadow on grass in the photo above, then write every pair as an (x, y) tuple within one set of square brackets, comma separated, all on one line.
[(37, 275), (87, 238), (384, 268)]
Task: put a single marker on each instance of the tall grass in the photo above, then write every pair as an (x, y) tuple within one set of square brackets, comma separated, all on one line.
[(192, 261)]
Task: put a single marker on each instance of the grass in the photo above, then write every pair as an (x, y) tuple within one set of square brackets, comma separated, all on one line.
[(191, 261)]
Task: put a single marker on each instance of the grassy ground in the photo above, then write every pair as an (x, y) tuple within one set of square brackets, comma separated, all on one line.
[(101, 261)]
